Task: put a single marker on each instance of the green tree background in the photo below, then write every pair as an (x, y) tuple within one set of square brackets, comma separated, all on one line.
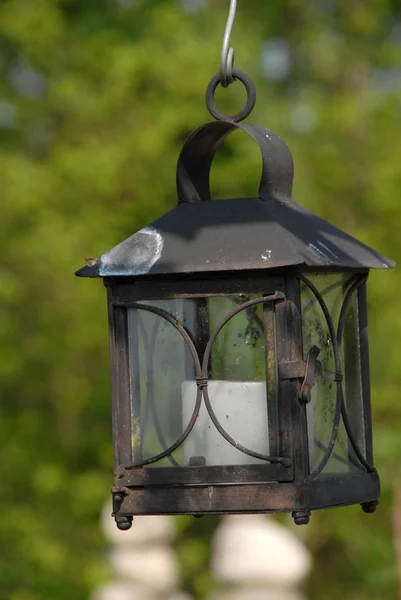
[(96, 99)]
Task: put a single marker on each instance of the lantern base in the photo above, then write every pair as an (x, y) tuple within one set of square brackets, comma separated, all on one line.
[(296, 498)]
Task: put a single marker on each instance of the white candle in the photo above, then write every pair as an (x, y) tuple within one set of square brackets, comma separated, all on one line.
[(241, 409)]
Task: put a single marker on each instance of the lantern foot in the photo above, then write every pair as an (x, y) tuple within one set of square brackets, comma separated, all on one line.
[(124, 523), (301, 517), (370, 507)]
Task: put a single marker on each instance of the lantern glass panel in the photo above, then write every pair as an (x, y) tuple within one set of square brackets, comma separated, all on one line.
[(160, 361), (242, 382), (321, 412)]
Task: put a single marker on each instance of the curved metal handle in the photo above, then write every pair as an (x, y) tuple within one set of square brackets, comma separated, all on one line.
[(195, 161)]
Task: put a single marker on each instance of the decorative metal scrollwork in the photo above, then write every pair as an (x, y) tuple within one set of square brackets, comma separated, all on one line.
[(201, 379)]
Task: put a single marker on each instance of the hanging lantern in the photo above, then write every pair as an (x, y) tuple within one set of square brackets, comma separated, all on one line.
[(239, 348)]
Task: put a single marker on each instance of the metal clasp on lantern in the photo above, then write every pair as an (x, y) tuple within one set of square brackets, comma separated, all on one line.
[(306, 370), (313, 369)]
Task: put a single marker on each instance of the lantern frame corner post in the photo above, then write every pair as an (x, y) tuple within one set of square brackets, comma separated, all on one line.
[(120, 381), (291, 366), (365, 368), (120, 392), (370, 506)]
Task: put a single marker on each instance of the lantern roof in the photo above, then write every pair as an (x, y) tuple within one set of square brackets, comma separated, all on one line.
[(200, 235)]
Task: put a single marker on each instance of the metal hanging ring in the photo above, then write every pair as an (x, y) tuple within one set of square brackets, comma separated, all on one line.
[(250, 101), (227, 53)]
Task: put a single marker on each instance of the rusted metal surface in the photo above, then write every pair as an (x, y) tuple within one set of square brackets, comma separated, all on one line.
[(202, 475), (213, 499), (292, 369), (265, 498), (251, 282), (119, 358), (290, 333)]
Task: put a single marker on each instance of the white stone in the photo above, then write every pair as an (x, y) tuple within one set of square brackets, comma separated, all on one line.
[(259, 594), (179, 596), (117, 590), (144, 530), (155, 567), (257, 549)]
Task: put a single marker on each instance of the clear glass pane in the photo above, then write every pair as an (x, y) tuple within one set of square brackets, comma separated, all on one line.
[(352, 386), (242, 387), (160, 361), (164, 390), (321, 410)]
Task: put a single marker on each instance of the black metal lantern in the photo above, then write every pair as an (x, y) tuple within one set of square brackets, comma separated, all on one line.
[(239, 348), (239, 351)]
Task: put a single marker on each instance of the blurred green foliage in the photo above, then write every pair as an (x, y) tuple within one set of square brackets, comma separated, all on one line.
[(96, 99)]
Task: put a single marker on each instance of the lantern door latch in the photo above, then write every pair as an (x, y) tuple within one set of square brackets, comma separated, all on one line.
[(306, 371)]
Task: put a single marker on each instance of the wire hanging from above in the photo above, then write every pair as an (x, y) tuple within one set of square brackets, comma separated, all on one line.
[(227, 53), (228, 75)]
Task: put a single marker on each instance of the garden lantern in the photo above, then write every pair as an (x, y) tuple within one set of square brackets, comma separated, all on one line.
[(239, 349)]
